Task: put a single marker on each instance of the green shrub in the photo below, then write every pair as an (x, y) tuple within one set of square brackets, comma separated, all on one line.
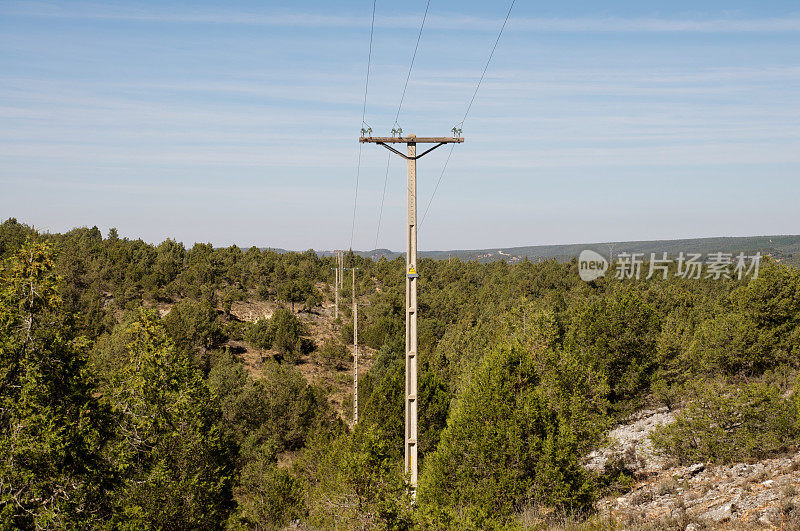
[(617, 335), (170, 442), (346, 333), (193, 325), (283, 332), (259, 334), (334, 355), (353, 482), (508, 442), (726, 423), (268, 497), (727, 344), (280, 406)]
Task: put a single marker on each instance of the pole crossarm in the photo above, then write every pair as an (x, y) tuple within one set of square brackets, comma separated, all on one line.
[(411, 139)]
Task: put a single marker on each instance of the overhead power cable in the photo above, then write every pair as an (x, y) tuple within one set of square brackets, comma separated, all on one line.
[(413, 57), (383, 197), (397, 117), (469, 107), (363, 123), (438, 182)]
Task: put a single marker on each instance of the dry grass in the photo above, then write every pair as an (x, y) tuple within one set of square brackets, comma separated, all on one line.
[(667, 487), (641, 497)]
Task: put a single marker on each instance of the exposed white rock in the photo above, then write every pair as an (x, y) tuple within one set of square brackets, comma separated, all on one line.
[(631, 442), (699, 496), (737, 494)]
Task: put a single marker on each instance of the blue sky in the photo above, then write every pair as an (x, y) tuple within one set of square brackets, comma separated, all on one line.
[(237, 122)]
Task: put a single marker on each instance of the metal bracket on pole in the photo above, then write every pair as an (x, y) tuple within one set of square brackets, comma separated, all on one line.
[(393, 150)]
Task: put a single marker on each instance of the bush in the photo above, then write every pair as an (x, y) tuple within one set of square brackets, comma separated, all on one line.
[(724, 424), (259, 334), (507, 443), (346, 333), (193, 325), (353, 482), (170, 444), (268, 497), (334, 355), (728, 344), (279, 407), (282, 332), (617, 335)]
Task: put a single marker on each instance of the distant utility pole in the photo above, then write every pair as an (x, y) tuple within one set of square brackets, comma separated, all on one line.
[(339, 282), (355, 348), (355, 351), (336, 290), (341, 269), (610, 252), (411, 141)]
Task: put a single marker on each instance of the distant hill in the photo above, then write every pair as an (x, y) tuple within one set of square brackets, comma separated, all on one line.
[(783, 248)]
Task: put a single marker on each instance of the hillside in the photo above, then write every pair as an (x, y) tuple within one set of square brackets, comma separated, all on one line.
[(211, 386), (781, 247), (321, 327)]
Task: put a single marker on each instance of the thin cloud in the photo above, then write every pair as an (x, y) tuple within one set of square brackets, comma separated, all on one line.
[(92, 11)]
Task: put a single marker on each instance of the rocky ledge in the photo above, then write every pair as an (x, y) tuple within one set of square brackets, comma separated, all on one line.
[(764, 494)]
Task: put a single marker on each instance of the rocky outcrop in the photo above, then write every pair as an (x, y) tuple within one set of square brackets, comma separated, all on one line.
[(630, 442), (762, 494), (766, 493)]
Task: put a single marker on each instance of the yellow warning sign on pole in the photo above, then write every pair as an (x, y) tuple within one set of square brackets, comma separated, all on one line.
[(412, 273)]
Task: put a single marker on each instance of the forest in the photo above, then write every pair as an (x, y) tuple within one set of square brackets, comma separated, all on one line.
[(125, 401)]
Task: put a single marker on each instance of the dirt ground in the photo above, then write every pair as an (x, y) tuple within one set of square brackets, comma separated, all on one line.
[(321, 327)]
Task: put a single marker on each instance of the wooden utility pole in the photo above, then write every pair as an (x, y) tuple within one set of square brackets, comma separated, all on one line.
[(411, 141)]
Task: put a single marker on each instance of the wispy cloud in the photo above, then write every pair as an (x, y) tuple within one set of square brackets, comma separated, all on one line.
[(112, 110), (450, 21), (559, 111), (623, 25)]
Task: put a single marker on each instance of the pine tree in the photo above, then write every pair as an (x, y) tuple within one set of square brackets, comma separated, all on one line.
[(171, 452), (51, 426)]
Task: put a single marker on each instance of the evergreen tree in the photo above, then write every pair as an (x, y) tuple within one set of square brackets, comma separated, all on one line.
[(506, 444), (171, 453), (52, 429)]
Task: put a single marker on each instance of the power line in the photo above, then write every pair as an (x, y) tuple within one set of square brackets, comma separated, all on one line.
[(469, 108), (413, 57), (397, 116), (444, 168), (383, 197), (363, 123), (486, 67), (369, 62)]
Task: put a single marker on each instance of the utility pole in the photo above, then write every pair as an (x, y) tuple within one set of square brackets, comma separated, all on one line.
[(355, 351), (355, 348), (339, 282), (336, 289), (341, 269), (411, 141)]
